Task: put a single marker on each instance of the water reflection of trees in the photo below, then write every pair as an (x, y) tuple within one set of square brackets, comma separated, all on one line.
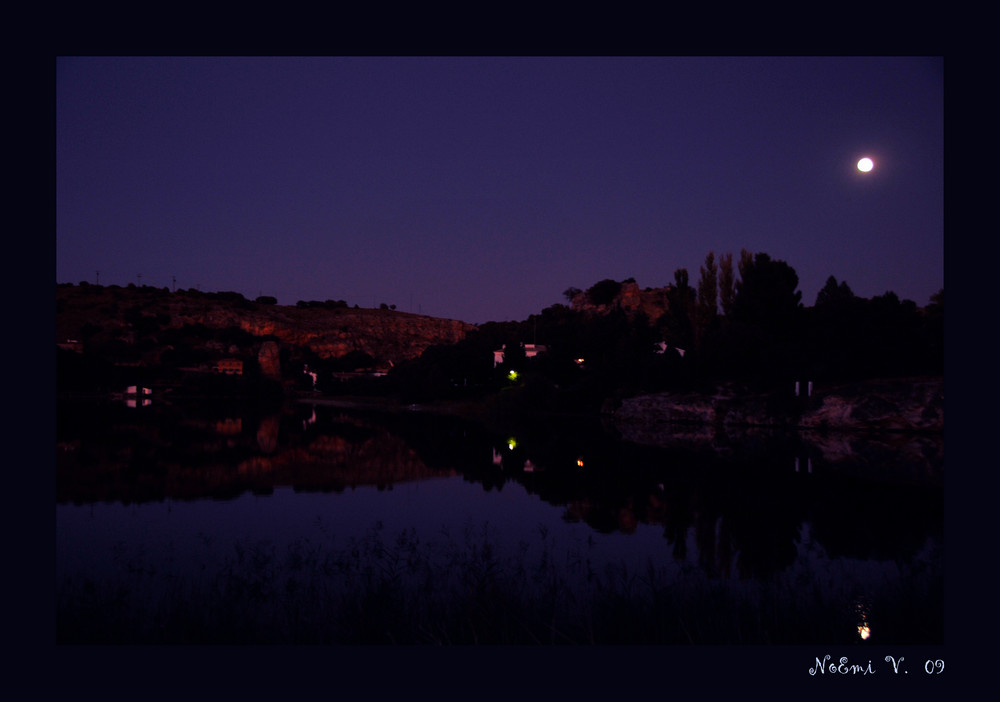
[(741, 507), (152, 456), (742, 502)]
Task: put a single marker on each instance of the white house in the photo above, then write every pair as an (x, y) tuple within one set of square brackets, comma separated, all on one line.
[(662, 346), (530, 351)]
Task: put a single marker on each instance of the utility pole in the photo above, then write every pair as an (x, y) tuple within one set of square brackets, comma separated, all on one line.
[(98, 281), (173, 279), (138, 279)]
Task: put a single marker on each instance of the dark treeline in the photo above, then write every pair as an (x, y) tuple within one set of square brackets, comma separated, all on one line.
[(742, 321), (743, 324), (227, 296)]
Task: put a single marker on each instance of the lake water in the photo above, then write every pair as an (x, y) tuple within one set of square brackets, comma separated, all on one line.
[(214, 524)]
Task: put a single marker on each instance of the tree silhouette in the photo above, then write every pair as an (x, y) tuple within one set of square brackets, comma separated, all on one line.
[(678, 323), (727, 283), (604, 292), (708, 298), (833, 294), (766, 293)]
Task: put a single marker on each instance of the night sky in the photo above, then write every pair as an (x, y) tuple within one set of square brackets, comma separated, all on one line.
[(481, 189)]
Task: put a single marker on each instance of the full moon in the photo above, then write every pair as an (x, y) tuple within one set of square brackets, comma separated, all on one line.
[(865, 164)]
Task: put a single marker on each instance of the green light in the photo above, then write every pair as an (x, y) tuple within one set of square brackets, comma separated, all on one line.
[(512, 375)]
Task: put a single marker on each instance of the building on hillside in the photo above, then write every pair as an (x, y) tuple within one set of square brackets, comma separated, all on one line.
[(71, 345), (530, 351), (229, 366), (662, 347)]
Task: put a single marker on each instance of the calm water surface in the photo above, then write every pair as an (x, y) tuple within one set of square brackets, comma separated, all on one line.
[(154, 496)]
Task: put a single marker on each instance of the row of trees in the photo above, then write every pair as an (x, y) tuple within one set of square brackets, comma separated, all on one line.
[(743, 321), (230, 297), (150, 291), (755, 326)]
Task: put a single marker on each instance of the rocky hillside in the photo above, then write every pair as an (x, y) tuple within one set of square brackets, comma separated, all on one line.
[(627, 296), (899, 405), (145, 315), (892, 429)]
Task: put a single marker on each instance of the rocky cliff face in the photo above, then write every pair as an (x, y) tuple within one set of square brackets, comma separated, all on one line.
[(269, 358), (386, 335), (652, 301), (135, 315)]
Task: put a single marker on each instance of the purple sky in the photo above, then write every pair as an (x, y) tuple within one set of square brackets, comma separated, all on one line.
[(481, 188)]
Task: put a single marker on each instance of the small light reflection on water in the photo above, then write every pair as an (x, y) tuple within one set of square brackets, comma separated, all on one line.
[(864, 629), (624, 519)]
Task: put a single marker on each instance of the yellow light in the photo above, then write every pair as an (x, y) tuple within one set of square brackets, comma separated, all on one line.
[(864, 631), (511, 444), (513, 375), (579, 462)]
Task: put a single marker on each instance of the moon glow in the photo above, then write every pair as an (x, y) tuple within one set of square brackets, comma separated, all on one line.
[(865, 164)]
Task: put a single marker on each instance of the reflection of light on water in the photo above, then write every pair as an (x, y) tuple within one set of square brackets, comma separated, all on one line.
[(864, 630), (584, 535)]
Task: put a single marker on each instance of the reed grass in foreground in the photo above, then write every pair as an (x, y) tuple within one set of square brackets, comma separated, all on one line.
[(404, 592)]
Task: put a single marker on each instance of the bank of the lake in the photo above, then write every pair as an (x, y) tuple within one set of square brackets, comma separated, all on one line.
[(898, 404)]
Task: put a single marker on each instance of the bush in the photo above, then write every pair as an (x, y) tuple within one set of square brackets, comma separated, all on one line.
[(604, 292)]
